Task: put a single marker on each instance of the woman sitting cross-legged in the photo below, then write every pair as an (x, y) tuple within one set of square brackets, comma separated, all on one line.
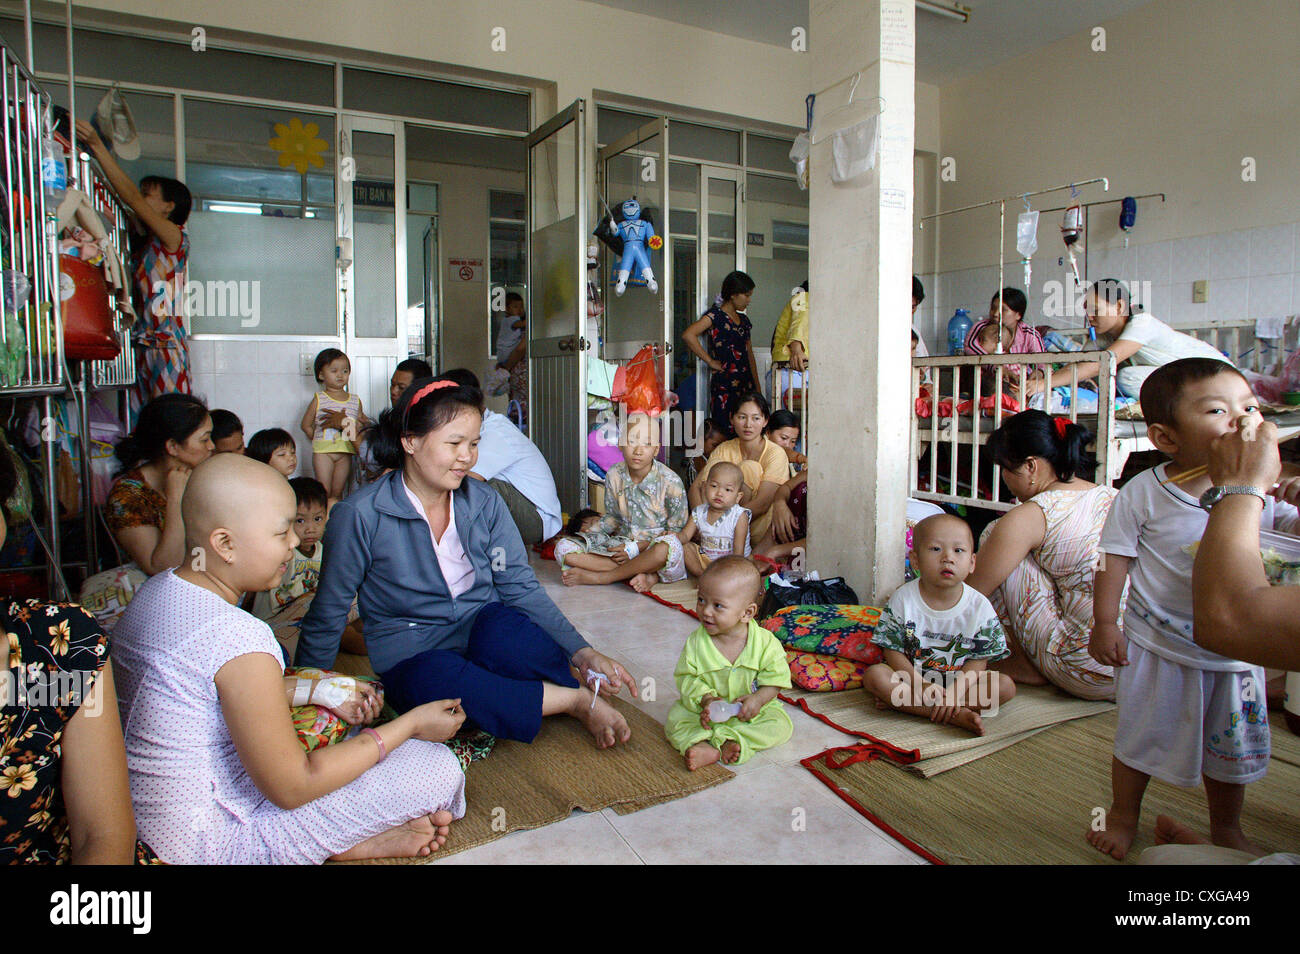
[(1037, 562), (218, 775), (449, 604)]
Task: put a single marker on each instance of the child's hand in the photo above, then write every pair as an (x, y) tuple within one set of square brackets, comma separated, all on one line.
[(1288, 490), (174, 483), (363, 706), (704, 710), (749, 706), (1108, 644), (715, 364), (619, 556)]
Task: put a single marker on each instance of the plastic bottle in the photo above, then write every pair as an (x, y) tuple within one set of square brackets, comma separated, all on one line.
[(958, 327), (1290, 703), (721, 711), (54, 172)]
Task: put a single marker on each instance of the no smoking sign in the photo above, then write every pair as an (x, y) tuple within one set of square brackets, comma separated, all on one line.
[(465, 269)]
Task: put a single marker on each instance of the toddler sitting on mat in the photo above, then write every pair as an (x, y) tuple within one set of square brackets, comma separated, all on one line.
[(729, 659), (939, 635), (720, 526)]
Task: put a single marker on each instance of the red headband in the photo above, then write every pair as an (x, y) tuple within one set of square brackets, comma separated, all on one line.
[(426, 391), (1061, 424)]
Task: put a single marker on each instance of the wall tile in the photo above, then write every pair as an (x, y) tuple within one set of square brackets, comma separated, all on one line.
[(1230, 254), (1228, 299), (1272, 250), (1270, 296), (1152, 261), (1190, 260)]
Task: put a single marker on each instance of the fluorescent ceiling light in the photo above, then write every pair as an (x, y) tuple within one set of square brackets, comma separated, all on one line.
[(954, 11), (245, 208)]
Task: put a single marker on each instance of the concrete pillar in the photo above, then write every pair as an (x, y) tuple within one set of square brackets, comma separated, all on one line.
[(860, 252)]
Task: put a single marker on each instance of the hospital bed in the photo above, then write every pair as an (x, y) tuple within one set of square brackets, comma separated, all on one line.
[(948, 437)]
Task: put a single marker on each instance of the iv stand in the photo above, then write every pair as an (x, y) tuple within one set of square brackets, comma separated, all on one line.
[(1002, 221)]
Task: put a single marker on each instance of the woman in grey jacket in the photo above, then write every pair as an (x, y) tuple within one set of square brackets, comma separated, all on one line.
[(451, 607)]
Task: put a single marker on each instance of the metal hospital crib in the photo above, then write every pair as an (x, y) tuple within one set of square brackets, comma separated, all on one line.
[(946, 446)]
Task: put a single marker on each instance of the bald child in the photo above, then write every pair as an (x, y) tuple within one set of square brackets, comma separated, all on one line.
[(939, 635), (729, 659), (219, 775)]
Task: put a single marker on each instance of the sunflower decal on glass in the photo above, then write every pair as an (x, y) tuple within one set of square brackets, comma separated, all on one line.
[(299, 145)]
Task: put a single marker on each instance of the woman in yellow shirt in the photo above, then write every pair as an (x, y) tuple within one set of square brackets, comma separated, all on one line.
[(763, 463)]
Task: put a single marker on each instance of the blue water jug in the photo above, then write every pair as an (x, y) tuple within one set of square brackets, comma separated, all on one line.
[(958, 327)]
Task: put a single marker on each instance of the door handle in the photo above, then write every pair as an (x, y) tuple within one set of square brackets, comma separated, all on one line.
[(566, 344), (584, 344)]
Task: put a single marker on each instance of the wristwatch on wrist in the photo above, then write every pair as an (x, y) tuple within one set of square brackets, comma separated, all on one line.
[(1215, 494)]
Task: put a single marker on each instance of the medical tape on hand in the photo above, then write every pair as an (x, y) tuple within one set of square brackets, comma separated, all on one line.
[(302, 691), (334, 691)]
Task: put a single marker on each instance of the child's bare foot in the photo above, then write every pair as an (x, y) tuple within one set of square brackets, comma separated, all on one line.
[(642, 582), (415, 839), (1172, 832), (1117, 837), (603, 721), (968, 719), (701, 754), (730, 752), (578, 576)]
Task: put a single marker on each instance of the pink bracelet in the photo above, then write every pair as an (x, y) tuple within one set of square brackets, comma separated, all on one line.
[(379, 741)]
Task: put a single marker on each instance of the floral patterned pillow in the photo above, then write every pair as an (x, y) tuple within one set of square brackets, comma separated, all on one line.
[(832, 630), (818, 673)]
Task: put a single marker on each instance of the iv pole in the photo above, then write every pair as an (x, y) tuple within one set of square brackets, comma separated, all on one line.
[(1002, 221)]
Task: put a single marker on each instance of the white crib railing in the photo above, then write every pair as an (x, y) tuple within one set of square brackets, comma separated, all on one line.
[(952, 380)]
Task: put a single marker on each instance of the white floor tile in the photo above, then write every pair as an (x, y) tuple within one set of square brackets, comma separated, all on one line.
[(772, 815), (581, 839)]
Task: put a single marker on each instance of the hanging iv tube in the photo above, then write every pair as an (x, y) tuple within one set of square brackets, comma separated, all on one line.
[(1002, 220)]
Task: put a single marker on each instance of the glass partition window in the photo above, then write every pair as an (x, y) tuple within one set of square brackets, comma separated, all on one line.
[(155, 120), (373, 91), (126, 58), (262, 226), (508, 259), (776, 220)]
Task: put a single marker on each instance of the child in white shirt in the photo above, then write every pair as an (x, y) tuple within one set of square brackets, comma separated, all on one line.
[(720, 526), (939, 635), (1185, 713)]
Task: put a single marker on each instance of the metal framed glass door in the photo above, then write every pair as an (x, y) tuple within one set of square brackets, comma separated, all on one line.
[(372, 285), (722, 225), (637, 166), (557, 300)]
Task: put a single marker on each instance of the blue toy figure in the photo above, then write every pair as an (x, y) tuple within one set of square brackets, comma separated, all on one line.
[(636, 235)]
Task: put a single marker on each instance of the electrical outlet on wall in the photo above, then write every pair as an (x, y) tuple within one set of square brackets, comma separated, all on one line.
[(306, 363), (1200, 291)]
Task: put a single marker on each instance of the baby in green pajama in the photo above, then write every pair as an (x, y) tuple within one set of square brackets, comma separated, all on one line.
[(733, 659)]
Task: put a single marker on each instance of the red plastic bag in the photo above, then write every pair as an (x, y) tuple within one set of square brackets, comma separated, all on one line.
[(637, 384)]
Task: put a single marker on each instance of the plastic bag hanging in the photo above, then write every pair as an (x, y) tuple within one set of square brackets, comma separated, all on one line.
[(1027, 240), (853, 149), (799, 156)]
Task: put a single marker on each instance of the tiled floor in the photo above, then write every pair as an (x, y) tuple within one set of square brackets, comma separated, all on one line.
[(773, 811)]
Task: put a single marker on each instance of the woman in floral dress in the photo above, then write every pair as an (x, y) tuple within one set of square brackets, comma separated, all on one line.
[(64, 795), (730, 353)]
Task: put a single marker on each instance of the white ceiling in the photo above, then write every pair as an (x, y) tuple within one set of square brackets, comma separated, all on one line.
[(946, 49)]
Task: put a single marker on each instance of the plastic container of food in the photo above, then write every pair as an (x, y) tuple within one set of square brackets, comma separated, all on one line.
[(1281, 553)]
